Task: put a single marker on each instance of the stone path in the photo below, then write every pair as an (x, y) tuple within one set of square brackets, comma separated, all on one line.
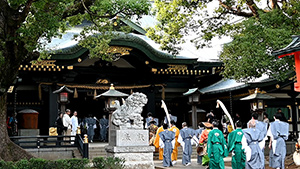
[(158, 165)]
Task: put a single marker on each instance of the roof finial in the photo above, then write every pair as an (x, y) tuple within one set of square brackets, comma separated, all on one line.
[(112, 87)]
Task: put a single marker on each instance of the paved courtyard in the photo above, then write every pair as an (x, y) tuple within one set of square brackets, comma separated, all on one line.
[(158, 165)]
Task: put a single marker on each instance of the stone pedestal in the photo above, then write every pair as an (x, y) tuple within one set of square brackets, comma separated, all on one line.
[(133, 146)]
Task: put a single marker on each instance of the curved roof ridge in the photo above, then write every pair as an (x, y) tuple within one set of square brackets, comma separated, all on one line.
[(124, 39)]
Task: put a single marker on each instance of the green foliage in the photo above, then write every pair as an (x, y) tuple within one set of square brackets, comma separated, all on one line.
[(7, 165), (72, 163), (255, 37), (28, 26), (108, 163), (36, 163), (250, 51), (99, 162)]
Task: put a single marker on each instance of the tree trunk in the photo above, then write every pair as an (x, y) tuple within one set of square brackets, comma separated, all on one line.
[(9, 151)]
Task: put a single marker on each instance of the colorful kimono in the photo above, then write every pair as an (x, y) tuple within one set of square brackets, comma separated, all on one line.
[(185, 139), (156, 143), (203, 140), (235, 145), (175, 150), (279, 132), (167, 137), (216, 149), (251, 144)]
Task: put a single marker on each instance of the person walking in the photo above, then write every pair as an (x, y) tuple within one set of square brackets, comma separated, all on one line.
[(198, 133), (174, 156), (185, 140), (252, 144), (156, 141), (167, 142), (90, 122), (216, 147), (235, 146), (203, 143), (278, 132), (103, 123)]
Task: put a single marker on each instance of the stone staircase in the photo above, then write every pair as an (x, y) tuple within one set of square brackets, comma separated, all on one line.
[(76, 154), (97, 150)]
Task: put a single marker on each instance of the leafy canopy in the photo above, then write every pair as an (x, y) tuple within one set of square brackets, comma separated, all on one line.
[(257, 27), (27, 26), (46, 19)]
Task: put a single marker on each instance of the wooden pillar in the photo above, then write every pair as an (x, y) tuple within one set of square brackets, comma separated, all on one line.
[(297, 65), (194, 116), (294, 105), (53, 106)]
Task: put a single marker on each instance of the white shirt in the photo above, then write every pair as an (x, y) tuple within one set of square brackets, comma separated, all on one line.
[(67, 121), (74, 121)]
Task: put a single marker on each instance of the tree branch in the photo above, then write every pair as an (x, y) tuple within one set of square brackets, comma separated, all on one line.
[(25, 11), (235, 11), (253, 7), (274, 4)]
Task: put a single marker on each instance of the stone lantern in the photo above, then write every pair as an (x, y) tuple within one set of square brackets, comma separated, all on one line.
[(63, 97), (194, 100), (257, 102), (111, 102)]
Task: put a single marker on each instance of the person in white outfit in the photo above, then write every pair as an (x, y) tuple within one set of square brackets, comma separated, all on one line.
[(74, 121), (67, 124)]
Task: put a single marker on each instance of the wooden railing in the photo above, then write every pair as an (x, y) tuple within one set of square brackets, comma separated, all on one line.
[(45, 141)]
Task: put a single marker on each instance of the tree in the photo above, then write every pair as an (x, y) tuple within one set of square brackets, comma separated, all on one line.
[(26, 26), (257, 27)]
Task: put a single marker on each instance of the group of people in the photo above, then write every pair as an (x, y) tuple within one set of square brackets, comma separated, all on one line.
[(246, 145), (67, 125)]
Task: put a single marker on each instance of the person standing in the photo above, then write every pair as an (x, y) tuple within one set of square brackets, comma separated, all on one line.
[(67, 124), (216, 147), (90, 122), (152, 132), (103, 123), (198, 133), (210, 116), (235, 146), (59, 126), (156, 141), (185, 140), (281, 117), (149, 119), (278, 132), (252, 145), (174, 156), (203, 143), (167, 142), (266, 119), (74, 121), (261, 126)]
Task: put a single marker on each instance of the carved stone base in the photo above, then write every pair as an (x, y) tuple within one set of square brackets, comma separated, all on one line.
[(129, 137), (136, 157)]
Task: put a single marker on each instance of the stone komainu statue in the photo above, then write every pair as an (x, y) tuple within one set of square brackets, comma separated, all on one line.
[(128, 116)]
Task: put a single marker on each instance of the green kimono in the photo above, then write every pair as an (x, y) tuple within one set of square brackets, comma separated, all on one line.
[(216, 149), (235, 145)]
